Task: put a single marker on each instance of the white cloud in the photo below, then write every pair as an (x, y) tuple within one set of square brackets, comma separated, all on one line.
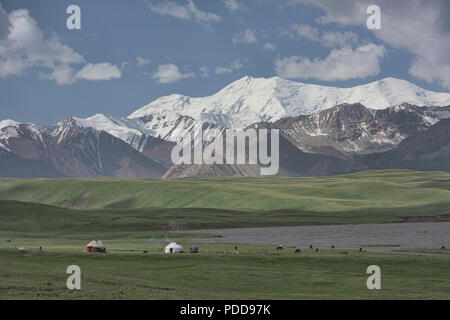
[(169, 73), (306, 31), (269, 46), (62, 74), (141, 62), (420, 27), (327, 39), (204, 72), (99, 71), (124, 65), (247, 36), (25, 48), (223, 70), (234, 5), (188, 11), (338, 39), (341, 64), (237, 64), (423, 69)]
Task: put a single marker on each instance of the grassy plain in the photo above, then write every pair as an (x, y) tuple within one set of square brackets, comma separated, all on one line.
[(131, 216), (257, 272)]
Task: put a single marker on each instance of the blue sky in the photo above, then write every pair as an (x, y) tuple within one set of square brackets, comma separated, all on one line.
[(129, 53)]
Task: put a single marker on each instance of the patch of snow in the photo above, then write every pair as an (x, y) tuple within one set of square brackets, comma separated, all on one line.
[(9, 123), (118, 128)]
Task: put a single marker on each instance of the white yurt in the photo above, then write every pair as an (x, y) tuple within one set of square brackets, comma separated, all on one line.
[(173, 248), (95, 246)]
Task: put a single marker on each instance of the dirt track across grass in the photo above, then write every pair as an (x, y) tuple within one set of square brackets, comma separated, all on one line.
[(371, 237)]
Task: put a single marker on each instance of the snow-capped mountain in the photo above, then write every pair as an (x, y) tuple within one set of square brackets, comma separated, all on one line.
[(25, 152), (8, 129), (13, 133), (66, 149), (355, 128), (345, 139), (167, 125), (119, 128), (99, 151), (323, 131), (136, 132), (428, 150), (250, 100)]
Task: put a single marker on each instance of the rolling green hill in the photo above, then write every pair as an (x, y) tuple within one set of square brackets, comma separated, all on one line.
[(111, 206), (38, 220), (370, 189)]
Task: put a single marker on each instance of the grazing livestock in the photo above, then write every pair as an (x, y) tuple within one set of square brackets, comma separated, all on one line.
[(280, 247), (310, 246), (317, 249), (344, 252), (297, 251), (443, 248)]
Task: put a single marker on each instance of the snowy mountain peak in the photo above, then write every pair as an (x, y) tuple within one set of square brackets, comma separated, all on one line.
[(9, 123), (249, 100), (13, 129)]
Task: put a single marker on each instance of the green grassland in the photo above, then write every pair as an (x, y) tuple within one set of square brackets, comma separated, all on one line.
[(257, 272), (370, 189), (38, 220), (131, 216), (118, 205)]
